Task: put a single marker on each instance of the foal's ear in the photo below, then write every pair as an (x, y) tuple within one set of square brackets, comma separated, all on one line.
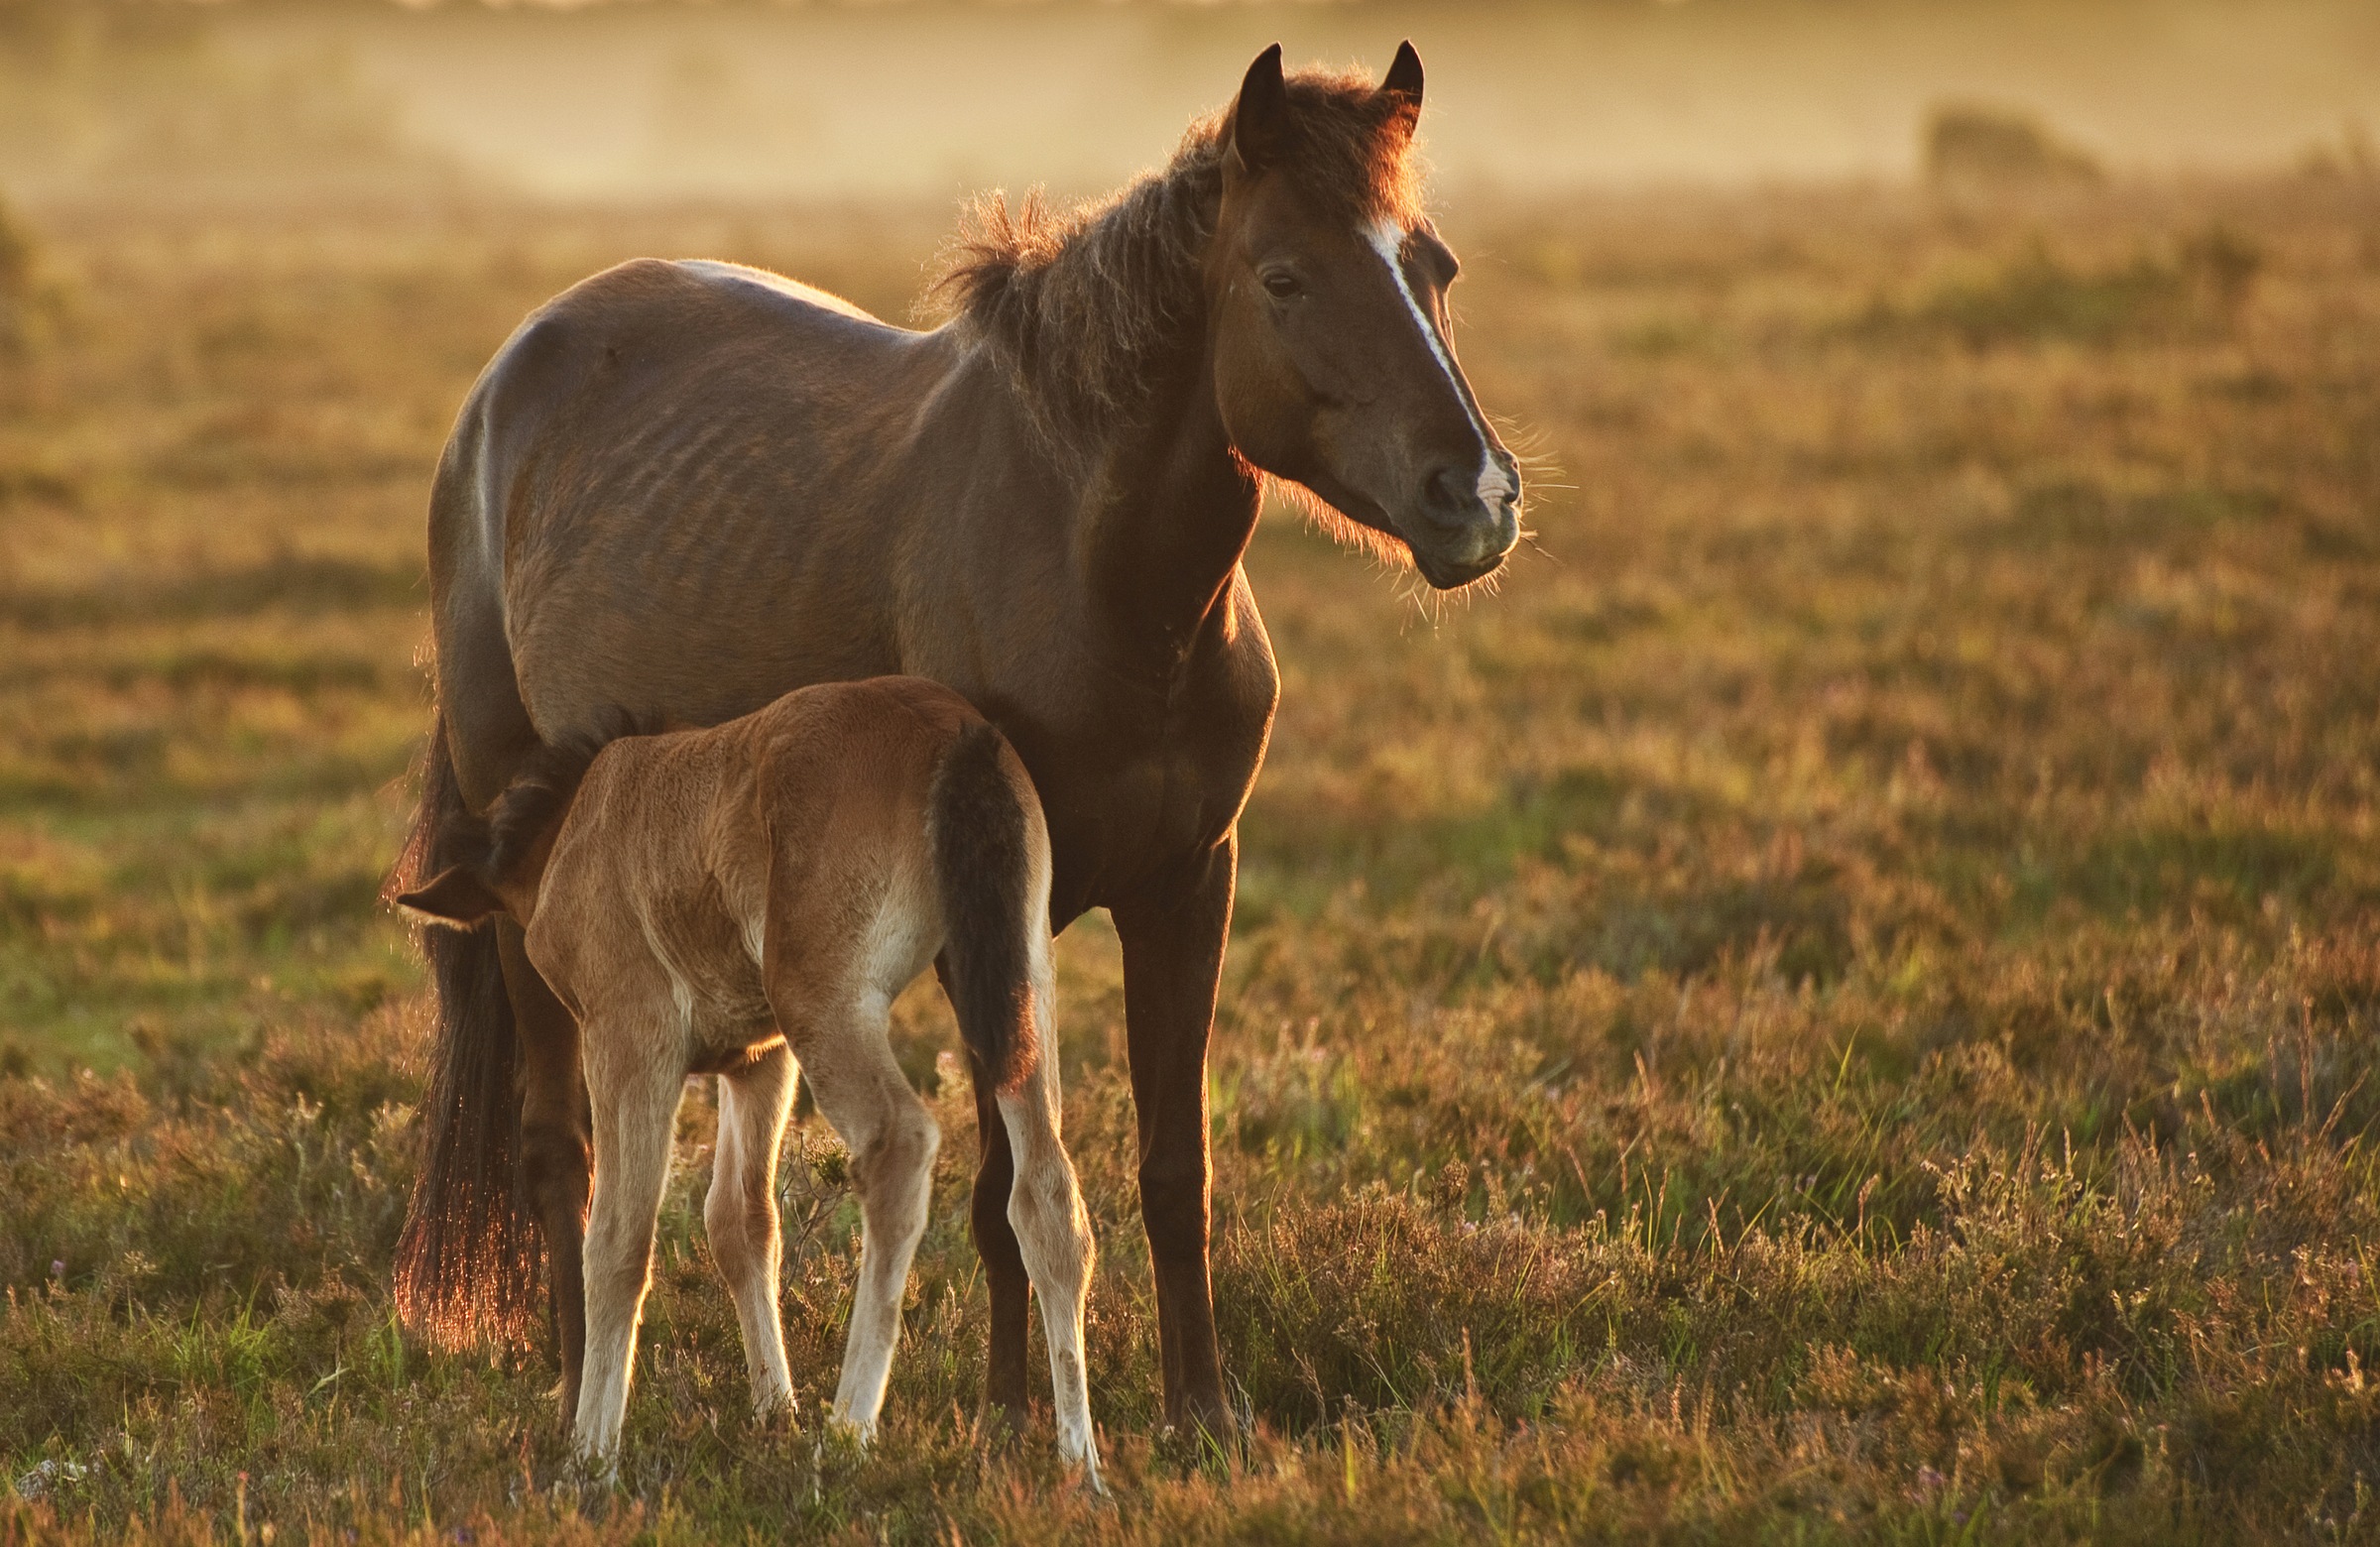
[(1404, 78), (1260, 114), (454, 897)]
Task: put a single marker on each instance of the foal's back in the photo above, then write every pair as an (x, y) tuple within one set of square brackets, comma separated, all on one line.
[(698, 865)]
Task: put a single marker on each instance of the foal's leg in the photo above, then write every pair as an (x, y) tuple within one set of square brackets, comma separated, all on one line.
[(891, 1140), (741, 1213), (1054, 1231), (635, 1096)]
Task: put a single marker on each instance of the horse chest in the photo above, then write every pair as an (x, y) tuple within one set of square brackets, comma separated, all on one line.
[(1155, 802), (1144, 786)]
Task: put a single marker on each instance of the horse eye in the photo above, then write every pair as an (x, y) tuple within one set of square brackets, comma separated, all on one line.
[(1281, 286)]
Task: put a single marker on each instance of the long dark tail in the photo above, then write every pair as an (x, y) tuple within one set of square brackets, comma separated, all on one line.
[(982, 866), (467, 1262)]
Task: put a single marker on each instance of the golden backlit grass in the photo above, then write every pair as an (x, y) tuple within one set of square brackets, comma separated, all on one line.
[(1839, 1005)]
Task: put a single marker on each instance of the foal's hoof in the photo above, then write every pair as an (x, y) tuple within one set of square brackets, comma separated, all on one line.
[(839, 1436), (592, 1474)]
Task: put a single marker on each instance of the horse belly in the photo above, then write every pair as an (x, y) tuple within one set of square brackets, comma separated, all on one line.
[(695, 647), (729, 1022), (701, 591)]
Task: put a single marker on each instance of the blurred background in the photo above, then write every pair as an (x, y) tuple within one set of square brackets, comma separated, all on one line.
[(931, 97)]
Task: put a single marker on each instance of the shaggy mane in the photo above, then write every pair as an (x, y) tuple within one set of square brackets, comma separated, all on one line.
[(1083, 304)]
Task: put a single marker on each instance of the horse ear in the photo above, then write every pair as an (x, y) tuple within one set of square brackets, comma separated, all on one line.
[(454, 897), (1404, 78), (1260, 113)]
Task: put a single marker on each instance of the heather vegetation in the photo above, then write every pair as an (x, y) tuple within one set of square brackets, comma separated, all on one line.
[(1838, 1005)]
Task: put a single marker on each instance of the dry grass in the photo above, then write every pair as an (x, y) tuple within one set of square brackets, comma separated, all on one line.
[(1839, 1005)]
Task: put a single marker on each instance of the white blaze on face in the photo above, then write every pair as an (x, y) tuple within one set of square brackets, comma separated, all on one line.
[(1386, 239)]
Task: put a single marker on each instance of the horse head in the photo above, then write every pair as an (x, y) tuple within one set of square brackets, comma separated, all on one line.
[(1333, 350)]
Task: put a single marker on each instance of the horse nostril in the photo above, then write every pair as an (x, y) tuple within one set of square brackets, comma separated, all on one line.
[(1451, 492)]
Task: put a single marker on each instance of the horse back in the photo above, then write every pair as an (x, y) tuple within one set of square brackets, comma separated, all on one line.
[(665, 490)]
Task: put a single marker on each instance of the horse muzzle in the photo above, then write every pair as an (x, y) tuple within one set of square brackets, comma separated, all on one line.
[(1461, 527)]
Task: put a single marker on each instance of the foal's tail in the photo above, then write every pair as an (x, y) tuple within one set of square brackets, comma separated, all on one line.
[(467, 1262), (990, 867)]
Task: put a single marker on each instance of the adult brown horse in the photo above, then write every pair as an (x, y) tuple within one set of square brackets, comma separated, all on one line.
[(688, 488)]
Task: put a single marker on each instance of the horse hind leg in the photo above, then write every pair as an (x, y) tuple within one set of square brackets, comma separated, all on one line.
[(634, 1102), (554, 1156), (893, 1140), (1053, 1230), (741, 1215)]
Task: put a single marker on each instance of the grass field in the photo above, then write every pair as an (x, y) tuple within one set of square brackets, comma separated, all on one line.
[(1840, 1005)]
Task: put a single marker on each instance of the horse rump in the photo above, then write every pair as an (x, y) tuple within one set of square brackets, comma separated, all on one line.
[(466, 1267), (981, 835)]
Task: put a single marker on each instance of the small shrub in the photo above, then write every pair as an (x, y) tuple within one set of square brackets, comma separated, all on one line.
[(16, 278), (2221, 267), (1976, 148), (2350, 158)]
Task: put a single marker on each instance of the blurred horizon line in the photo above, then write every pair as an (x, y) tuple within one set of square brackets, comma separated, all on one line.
[(921, 99)]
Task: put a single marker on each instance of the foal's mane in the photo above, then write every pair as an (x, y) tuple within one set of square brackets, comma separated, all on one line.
[(1083, 304)]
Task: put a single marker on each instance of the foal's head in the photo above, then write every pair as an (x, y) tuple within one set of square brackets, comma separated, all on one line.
[(1334, 355), (495, 864)]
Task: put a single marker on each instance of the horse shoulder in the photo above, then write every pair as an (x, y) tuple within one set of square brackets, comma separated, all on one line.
[(1253, 676), (1219, 725), (739, 840)]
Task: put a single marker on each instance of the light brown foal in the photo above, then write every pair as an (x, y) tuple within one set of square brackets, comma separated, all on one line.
[(748, 899)]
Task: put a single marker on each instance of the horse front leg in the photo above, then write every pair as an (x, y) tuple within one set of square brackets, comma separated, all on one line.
[(1173, 940)]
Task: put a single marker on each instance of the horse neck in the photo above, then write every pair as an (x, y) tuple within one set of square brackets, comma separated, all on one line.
[(1109, 338), (1168, 508)]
